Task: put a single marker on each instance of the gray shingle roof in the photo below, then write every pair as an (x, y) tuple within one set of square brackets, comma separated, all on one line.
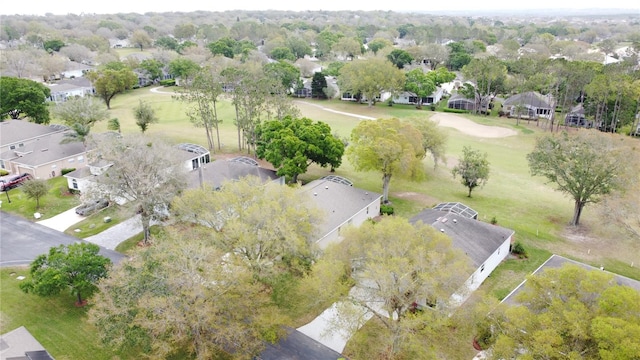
[(14, 131), (339, 202), (528, 98), (298, 346), (219, 171), (557, 261), (477, 239), (47, 149)]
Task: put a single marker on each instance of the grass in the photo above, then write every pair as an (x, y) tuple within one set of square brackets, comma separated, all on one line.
[(129, 245), (95, 224), (534, 210), (57, 200), (59, 325)]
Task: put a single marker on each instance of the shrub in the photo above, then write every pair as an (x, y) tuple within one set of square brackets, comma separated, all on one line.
[(432, 107), (386, 209), (168, 82), (67, 170), (518, 249), (3, 172), (494, 220), (457, 111)]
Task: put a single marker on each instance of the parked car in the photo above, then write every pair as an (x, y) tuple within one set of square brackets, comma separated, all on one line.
[(14, 181), (91, 207)]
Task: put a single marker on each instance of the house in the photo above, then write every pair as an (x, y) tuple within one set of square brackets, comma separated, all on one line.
[(461, 103), (529, 105), (410, 98), (216, 173), (347, 96), (19, 344), (81, 179), (576, 117), (35, 149), (75, 69), (305, 90), (485, 244), (61, 91), (193, 155), (342, 205), (557, 261)]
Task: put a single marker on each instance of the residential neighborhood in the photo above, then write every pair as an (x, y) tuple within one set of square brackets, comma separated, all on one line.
[(320, 185)]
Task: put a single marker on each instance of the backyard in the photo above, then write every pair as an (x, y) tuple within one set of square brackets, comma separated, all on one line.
[(538, 214)]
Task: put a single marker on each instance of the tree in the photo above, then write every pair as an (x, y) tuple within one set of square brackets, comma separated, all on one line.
[(376, 44), (183, 296), (111, 82), (146, 172), (77, 132), (168, 42), (53, 45), (298, 46), (569, 313), (80, 110), (284, 73), (397, 268), (473, 168), (183, 68), (203, 93), (434, 140), (141, 39), (153, 68), (400, 58), (370, 78), (77, 267), (347, 47), (489, 75), (292, 144), (24, 97), (114, 125), (76, 52), (282, 53), (269, 226), (145, 115), (318, 86), (420, 84), (35, 189), (389, 146), (586, 165)]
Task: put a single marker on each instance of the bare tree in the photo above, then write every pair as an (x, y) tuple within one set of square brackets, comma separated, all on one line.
[(145, 172)]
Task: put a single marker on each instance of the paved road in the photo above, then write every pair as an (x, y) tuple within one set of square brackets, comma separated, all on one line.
[(21, 241)]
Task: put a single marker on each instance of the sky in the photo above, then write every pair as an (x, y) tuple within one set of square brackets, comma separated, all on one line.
[(63, 7)]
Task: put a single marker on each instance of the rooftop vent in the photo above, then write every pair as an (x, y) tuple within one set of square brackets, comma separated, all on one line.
[(455, 221), (441, 230)]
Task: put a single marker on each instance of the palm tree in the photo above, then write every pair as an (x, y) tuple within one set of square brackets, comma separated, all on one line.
[(79, 132)]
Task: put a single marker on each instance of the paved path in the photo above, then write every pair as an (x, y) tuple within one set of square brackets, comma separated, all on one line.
[(337, 112), (62, 221), (118, 233)]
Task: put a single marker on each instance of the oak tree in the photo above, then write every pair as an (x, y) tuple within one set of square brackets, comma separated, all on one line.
[(76, 267), (24, 98), (110, 82), (145, 115), (586, 165), (35, 189), (473, 168), (370, 78), (292, 144), (390, 146)]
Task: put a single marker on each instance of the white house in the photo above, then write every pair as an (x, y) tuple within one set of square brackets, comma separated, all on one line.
[(342, 204), (529, 105), (410, 98), (485, 244), (81, 179), (75, 70)]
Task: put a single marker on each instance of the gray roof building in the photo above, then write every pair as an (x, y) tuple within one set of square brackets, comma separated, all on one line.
[(557, 261), (478, 240), (217, 172), (531, 98), (22, 131), (19, 344), (48, 149), (338, 201)]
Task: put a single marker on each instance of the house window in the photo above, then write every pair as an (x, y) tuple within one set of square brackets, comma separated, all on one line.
[(12, 147), (367, 209), (74, 183), (194, 164), (71, 160), (80, 158), (21, 145), (54, 166), (482, 268)]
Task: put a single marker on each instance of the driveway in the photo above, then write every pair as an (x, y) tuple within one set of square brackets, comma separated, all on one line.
[(21, 241), (63, 221)]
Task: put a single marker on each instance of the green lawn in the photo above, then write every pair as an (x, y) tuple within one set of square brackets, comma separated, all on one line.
[(536, 212), (55, 322), (56, 201)]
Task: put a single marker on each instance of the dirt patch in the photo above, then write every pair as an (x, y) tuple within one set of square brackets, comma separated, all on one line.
[(469, 127), (416, 197)]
